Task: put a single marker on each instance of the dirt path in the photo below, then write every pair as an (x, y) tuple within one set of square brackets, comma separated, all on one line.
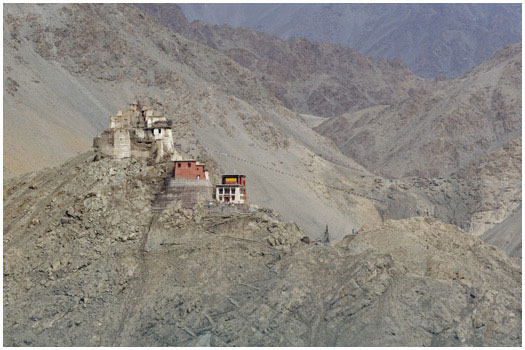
[(137, 285)]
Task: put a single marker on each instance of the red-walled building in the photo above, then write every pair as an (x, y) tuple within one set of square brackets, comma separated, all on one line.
[(189, 169)]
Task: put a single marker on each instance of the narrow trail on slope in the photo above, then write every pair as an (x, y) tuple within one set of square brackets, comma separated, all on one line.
[(137, 286), (348, 190)]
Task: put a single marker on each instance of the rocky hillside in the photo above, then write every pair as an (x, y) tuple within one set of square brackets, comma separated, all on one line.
[(106, 270), (213, 102), (482, 194), (440, 128), (308, 77), (433, 39), (507, 234), (483, 198), (496, 177)]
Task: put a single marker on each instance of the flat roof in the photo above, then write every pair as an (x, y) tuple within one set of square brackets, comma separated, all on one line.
[(232, 175), (190, 161)]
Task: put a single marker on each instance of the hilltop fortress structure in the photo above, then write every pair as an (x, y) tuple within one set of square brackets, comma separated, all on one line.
[(140, 132), (137, 132)]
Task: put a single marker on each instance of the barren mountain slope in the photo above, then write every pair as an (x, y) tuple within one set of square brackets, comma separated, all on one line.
[(49, 115), (496, 177), (67, 67), (94, 59), (87, 262), (507, 234), (481, 195), (75, 54), (478, 198), (441, 128), (309, 77), (433, 39)]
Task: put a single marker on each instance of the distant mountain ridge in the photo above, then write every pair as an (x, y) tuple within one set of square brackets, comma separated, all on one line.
[(308, 77), (440, 128), (433, 39)]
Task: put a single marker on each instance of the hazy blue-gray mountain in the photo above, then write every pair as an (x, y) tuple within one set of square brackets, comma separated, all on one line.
[(433, 39)]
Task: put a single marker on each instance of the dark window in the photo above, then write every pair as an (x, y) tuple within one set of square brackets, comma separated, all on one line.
[(178, 165), (189, 165)]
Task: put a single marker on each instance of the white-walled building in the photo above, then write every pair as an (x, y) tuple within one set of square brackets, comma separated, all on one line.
[(232, 189)]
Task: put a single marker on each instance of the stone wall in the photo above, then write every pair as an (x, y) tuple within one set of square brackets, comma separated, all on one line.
[(110, 143), (121, 144), (228, 209), (104, 143), (141, 148), (128, 136), (188, 192)]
